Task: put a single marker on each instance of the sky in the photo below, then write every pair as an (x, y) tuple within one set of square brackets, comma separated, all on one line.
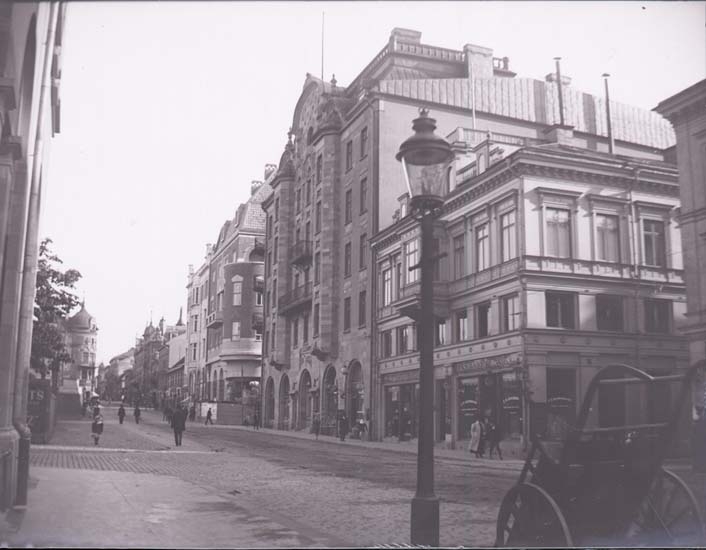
[(170, 110)]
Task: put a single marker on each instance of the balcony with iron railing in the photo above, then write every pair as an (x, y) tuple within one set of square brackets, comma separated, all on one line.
[(296, 299), (302, 253), (408, 299)]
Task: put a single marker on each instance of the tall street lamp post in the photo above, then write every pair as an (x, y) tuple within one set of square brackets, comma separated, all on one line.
[(425, 158)]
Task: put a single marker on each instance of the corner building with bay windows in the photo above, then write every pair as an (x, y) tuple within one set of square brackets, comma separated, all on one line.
[(338, 246)]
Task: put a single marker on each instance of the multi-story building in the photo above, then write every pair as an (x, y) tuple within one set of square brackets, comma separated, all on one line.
[(122, 362), (197, 312), (31, 36), (338, 185), (558, 261), (77, 379), (687, 112), (225, 306)]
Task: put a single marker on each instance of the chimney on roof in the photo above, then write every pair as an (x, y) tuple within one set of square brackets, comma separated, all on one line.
[(405, 35), (269, 170), (209, 248), (191, 269), (479, 61), (254, 186)]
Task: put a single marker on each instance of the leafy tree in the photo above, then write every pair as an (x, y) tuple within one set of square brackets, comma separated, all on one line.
[(53, 302)]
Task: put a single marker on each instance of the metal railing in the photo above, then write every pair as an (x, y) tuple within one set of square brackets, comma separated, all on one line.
[(299, 294), (302, 252)]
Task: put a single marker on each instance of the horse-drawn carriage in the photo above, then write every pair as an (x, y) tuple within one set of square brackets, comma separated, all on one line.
[(606, 484)]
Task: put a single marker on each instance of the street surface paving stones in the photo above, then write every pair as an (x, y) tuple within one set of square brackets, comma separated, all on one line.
[(244, 488)]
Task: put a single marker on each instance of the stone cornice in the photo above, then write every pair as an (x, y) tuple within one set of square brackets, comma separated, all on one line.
[(688, 103)]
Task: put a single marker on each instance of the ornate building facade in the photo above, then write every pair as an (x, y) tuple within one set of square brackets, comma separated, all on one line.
[(337, 186), (77, 381)]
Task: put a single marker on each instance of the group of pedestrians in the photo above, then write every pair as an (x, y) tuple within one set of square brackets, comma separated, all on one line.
[(485, 435)]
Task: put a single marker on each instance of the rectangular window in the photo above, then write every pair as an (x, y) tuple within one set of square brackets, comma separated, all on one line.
[(440, 332), (362, 298), (237, 294), (277, 209), (461, 325), (196, 322), (308, 192), (363, 251), (268, 265), (317, 268), (347, 313), (349, 155), (295, 332), (363, 195), (348, 212), (387, 287), (483, 320), (276, 248), (386, 344), (657, 315), (258, 298), (319, 169), (558, 233), (459, 257), (653, 239), (305, 328), (235, 331), (316, 320), (508, 241), (299, 201), (317, 219), (560, 309), (267, 300), (561, 402), (364, 142), (482, 247), (398, 274), (411, 331), (607, 238), (274, 293), (402, 341), (412, 259), (347, 260), (511, 312), (274, 331), (609, 312)]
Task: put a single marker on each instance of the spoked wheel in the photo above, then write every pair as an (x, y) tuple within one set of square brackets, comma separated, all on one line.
[(529, 517), (669, 515)]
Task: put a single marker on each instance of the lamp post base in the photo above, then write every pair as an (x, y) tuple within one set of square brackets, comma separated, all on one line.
[(425, 521)]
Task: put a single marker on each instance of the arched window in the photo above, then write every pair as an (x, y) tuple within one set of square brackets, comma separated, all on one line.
[(310, 135)]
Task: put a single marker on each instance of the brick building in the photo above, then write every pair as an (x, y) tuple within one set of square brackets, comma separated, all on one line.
[(338, 185)]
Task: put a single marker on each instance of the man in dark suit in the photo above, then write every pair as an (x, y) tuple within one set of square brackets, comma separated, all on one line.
[(178, 424)]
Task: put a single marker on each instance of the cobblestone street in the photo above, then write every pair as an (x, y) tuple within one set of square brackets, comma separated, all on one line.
[(345, 494)]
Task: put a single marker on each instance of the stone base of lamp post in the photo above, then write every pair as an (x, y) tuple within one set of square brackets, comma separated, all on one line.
[(425, 521)]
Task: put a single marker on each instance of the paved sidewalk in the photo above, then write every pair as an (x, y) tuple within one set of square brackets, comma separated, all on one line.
[(97, 509)]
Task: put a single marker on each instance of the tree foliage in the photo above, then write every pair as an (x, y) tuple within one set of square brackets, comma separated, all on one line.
[(53, 302)]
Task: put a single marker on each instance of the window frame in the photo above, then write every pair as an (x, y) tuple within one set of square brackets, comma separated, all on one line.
[(572, 298)]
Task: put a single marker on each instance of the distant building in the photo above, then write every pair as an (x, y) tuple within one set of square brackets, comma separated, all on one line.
[(77, 380), (687, 112), (122, 362)]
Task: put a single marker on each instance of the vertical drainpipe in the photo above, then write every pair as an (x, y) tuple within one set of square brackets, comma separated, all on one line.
[(29, 274), (375, 396)]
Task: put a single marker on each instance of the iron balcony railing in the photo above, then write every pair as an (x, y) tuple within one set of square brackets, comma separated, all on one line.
[(302, 252), (297, 297)]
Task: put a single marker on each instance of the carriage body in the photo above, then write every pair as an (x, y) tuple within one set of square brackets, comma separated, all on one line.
[(605, 485)]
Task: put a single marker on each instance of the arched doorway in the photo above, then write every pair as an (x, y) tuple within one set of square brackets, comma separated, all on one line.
[(269, 412), (329, 404), (283, 420), (305, 401), (355, 393)]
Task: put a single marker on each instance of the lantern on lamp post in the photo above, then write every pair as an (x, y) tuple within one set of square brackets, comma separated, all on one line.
[(425, 158)]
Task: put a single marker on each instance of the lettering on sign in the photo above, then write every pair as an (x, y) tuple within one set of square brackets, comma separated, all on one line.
[(401, 377), (488, 363)]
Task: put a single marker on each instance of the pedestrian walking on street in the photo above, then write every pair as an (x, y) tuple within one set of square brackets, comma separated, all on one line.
[(121, 413), (342, 426), (256, 421), (178, 424), (317, 425), (474, 446), (493, 437), (137, 414), (97, 428), (209, 414)]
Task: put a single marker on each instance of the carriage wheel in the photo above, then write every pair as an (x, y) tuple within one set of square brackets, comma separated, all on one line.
[(670, 514), (530, 517)]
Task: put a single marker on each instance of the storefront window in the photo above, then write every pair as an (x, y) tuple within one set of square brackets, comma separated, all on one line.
[(561, 402), (511, 423), (401, 412), (467, 406)]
